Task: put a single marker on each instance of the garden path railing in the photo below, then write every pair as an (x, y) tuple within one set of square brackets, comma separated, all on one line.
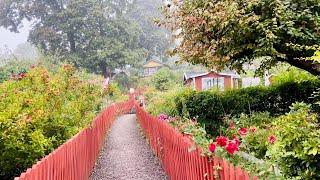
[(172, 149), (75, 159)]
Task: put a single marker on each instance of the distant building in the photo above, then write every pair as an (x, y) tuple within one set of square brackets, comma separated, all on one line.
[(206, 80), (151, 67), (257, 81)]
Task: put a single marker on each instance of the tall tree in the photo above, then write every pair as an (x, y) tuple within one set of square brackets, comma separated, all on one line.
[(230, 33), (155, 39), (89, 33)]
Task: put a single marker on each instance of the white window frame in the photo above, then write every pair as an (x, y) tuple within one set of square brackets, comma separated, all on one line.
[(152, 70), (204, 83), (220, 83), (217, 82)]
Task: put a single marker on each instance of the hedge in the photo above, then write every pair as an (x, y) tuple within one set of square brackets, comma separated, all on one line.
[(210, 107)]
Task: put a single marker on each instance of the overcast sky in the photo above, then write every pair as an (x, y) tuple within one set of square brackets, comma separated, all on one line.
[(13, 39)]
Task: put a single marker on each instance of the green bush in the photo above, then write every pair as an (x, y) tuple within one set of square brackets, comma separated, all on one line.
[(165, 78), (211, 107), (284, 73), (297, 148), (39, 112), (162, 102)]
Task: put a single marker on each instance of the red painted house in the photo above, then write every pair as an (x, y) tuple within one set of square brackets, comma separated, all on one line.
[(206, 80)]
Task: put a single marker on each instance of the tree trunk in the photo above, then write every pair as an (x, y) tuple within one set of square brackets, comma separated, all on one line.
[(308, 65), (105, 71), (72, 42)]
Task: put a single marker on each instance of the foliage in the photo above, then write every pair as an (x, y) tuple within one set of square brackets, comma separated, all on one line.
[(13, 67), (289, 143), (163, 102), (125, 81), (316, 56), (229, 147), (164, 79), (211, 107), (39, 111), (233, 33), (153, 38), (297, 148), (114, 92), (89, 33), (291, 74)]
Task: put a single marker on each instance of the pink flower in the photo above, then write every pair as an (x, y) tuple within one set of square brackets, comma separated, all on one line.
[(252, 129), (163, 117), (231, 125), (243, 131), (222, 141), (272, 139), (236, 141), (212, 147), (232, 147)]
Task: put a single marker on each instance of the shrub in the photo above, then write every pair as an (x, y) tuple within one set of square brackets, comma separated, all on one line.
[(38, 112), (13, 68), (291, 142), (284, 73), (164, 79), (163, 102), (297, 148), (211, 107)]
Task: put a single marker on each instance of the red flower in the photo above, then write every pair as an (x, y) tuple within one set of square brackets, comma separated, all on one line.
[(212, 147), (222, 140), (232, 147), (252, 129), (243, 131), (272, 139), (231, 126), (236, 141)]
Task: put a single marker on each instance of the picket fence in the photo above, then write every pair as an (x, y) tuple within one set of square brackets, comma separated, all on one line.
[(172, 149), (75, 159)]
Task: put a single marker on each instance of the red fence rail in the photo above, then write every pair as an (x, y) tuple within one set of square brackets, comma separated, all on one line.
[(172, 149), (75, 159)]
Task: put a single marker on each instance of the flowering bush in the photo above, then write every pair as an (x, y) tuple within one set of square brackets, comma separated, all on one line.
[(222, 141), (39, 112), (296, 143)]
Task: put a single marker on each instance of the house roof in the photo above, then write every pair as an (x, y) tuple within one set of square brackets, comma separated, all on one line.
[(189, 75), (152, 63)]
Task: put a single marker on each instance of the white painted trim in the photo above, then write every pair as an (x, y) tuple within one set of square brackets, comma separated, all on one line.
[(194, 83), (231, 82), (206, 78), (198, 75), (223, 84), (222, 74)]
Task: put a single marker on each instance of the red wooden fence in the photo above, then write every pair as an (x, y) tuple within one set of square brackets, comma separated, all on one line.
[(75, 159), (171, 147)]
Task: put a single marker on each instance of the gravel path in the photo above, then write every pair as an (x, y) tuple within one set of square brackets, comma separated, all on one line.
[(126, 155)]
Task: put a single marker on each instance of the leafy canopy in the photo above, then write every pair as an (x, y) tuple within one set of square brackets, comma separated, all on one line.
[(229, 33), (91, 33)]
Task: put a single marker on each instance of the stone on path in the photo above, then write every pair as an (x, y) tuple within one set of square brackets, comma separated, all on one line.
[(126, 155)]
